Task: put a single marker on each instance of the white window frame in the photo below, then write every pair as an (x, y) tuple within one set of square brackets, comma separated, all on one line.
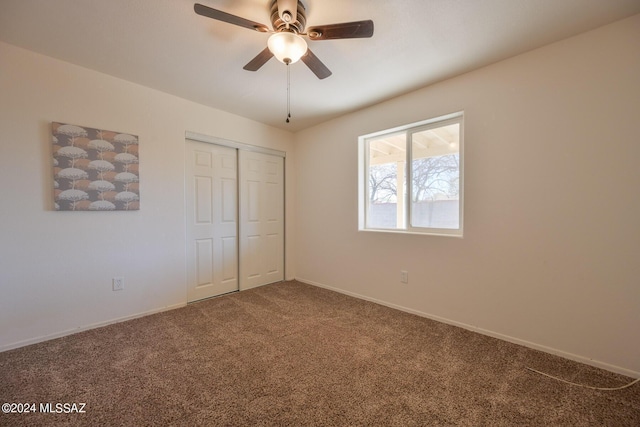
[(363, 177)]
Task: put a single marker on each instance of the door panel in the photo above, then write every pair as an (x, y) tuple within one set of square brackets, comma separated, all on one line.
[(211, 210), (261, 219), (204, 261)]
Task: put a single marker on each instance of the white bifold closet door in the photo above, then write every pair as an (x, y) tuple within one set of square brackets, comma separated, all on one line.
[(235, 219), (261, 219), (212, 220)]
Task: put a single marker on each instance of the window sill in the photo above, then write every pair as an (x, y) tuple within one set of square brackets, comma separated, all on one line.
[(436, 232)]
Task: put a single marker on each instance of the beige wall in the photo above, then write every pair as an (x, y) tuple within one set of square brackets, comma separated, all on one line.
[(551, 252), (53, 281)]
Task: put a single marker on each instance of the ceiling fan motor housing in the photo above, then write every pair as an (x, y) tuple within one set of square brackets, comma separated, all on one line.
[(296, 26)]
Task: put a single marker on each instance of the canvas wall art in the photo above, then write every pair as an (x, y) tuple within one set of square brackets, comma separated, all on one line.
[(94, 169)]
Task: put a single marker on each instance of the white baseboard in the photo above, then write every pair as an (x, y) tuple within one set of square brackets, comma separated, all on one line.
[(48, 337), (532, 345)]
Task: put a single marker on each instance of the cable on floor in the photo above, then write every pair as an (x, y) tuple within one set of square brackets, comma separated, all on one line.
[(583, 385)]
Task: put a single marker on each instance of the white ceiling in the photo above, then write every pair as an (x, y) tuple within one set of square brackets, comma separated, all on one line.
[(164, 45)]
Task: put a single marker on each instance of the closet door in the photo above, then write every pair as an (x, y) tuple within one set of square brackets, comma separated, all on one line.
[(261, 219), (211, 216)]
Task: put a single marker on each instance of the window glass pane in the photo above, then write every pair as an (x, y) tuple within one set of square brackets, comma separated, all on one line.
[(435, 177), (387, 170), (410, 178)]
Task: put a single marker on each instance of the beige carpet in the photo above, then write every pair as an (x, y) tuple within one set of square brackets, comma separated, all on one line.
[(291, 354)]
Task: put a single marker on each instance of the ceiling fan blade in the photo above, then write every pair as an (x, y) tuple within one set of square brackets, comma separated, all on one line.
[(313, 62), (259, 60), (290, 7), (227, 17), (346, 30)]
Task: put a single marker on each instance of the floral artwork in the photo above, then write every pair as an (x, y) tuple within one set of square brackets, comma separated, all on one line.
[(94, 170)]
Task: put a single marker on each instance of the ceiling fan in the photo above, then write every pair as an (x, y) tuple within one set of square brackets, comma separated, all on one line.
[(286, 43)]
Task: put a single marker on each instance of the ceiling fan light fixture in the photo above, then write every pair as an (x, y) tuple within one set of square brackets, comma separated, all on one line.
[(287, 47)]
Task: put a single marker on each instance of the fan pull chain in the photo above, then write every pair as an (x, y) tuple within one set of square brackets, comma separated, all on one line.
[(288, 92)]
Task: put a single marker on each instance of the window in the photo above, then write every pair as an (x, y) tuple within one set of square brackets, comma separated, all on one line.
[(411, 178)]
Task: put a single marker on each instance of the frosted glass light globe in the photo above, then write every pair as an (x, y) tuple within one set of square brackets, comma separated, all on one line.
[(287, 47)]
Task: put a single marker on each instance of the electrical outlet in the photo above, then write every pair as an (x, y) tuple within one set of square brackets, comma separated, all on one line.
[(118, 283), (404, 276)]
